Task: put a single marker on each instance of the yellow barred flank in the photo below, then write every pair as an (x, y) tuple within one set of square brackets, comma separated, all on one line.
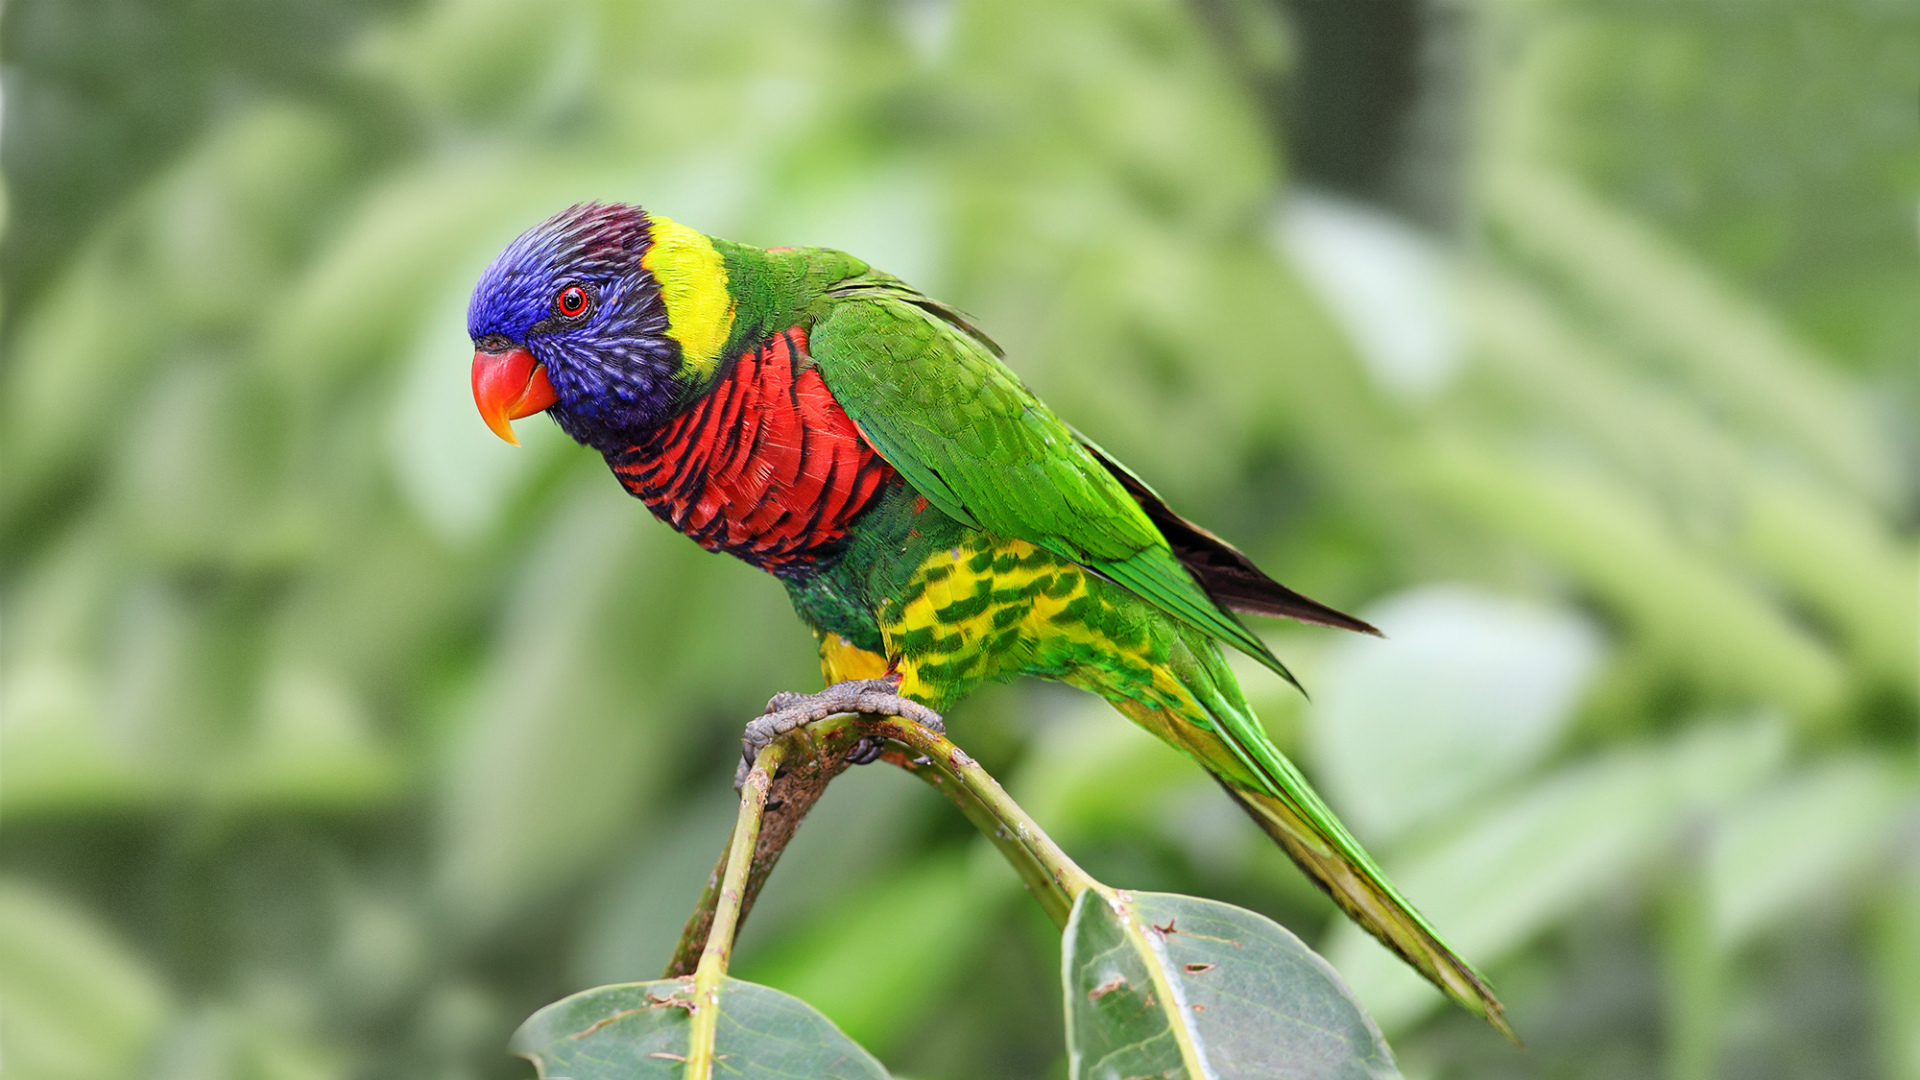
[(1011, 607), (994, 606)]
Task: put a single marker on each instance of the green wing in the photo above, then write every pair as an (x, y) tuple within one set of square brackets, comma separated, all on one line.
[(929, 392)]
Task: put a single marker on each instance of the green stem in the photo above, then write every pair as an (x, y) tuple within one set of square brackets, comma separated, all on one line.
[(815, 754), (1033, 873), (1055, 880), (1053, 877), (726, 914)]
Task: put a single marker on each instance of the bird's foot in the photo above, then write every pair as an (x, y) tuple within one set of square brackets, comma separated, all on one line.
[(787, 711)]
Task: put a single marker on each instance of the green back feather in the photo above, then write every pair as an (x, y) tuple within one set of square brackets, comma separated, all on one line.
[(930, 394)]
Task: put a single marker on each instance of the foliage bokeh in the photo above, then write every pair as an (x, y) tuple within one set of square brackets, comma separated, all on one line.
[(338, 736)]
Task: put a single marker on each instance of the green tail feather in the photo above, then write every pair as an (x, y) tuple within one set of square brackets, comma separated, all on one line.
[(1280, 801), (1368, 899)]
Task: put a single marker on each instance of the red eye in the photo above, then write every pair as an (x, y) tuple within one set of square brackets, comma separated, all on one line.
[(570, 302)]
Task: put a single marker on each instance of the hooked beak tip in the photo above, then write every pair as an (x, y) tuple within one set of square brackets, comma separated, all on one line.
[(499, 425), (507, 386)]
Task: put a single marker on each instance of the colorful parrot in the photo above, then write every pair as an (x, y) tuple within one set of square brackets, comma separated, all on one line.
[(935, 524)]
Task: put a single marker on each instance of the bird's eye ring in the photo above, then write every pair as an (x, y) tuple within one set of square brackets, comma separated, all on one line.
[(571, 302)]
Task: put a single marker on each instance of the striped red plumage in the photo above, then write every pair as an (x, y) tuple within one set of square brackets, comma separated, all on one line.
[(766, 465)]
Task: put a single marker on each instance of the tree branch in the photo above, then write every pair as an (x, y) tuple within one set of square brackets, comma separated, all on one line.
[(812, 755), (705, 1019)]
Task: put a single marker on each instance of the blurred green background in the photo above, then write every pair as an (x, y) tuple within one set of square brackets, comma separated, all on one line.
[(1573, 342)]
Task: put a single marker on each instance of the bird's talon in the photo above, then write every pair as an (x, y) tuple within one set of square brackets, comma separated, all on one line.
[(788, 710), (785, 699)]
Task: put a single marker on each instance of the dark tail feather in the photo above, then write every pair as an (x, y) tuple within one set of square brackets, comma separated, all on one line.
[(1220, 568)]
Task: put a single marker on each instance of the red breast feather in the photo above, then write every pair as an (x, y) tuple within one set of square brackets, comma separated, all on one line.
[(766, 465)]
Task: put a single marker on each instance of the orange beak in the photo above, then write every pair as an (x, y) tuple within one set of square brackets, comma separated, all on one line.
[(507, 386)]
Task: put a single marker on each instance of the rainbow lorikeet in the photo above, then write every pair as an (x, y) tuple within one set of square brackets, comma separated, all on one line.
[(934, 523)]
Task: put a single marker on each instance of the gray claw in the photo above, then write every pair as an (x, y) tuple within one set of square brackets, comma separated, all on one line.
[(785, 699), (787, 711)]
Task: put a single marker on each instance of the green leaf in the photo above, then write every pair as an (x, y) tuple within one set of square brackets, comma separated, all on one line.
[(80, 1003), (1681, 599), (1166, 985), (1493, 681), (1832, 551), (1532, 861), (1807, 838), (313, 747), (642, 1029), (1761, 371)]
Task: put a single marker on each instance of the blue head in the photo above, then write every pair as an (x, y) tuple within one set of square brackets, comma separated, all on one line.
[(570, 304)]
